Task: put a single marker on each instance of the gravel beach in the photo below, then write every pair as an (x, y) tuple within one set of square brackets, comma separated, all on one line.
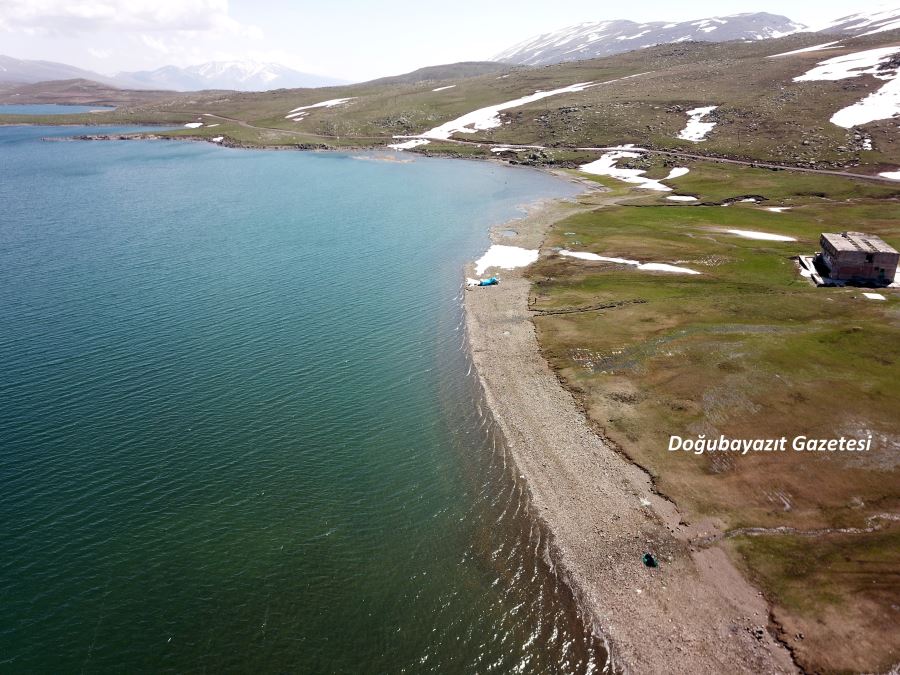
[(695, 612)]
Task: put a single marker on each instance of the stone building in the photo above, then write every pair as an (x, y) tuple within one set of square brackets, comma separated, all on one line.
[(858, 257)]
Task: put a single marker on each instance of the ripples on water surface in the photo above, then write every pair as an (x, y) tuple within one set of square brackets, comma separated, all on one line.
[(238, 426)]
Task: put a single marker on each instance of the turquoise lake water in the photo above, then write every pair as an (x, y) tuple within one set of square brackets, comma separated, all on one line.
[(48, 109), (238, 427)]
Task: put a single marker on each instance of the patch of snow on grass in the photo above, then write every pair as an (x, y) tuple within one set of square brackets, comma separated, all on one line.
[(814, 48), (696, 130), (516, 148), (210, 126), (879, 105), (194, 125), (505, 257), (449, 86), (218, 139), (764, 236), (848, 65), (677, 172), (606, 166), (778, 209), (663, 267), (408, 145), (593, 257), (893, 175), (681, 198), (647, 267), (488, 118), (324, 104), (874, 296)]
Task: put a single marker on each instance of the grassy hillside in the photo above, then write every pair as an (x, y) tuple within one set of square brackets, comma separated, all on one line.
[(79, 92), (748, 349), (450, 71), (762, 113)]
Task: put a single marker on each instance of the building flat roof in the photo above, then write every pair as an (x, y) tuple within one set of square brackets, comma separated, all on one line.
[(857, 241)]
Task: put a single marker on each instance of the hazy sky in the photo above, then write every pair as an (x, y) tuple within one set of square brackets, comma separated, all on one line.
[(350, 39)]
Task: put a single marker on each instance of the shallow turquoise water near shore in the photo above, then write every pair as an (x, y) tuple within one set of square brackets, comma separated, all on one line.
[(238, 427)]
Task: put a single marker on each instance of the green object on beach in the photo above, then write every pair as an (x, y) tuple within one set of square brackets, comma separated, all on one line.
[(649, 560)]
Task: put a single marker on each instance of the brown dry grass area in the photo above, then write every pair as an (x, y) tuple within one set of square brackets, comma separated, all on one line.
[(863, 595), (713, 384)]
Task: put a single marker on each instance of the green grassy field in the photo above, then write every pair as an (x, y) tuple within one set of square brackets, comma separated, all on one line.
[(747, 349)]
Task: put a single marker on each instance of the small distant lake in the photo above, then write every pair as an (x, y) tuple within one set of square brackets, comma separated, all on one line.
[(51, 109)]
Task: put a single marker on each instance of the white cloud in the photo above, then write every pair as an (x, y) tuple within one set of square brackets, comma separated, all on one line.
[(282, 56), (100, 53), (155, 44), (68, 16)]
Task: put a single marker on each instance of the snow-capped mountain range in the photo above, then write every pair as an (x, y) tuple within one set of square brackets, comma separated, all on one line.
[(864, 23), (234, 75), (582, 41), (604, 38)]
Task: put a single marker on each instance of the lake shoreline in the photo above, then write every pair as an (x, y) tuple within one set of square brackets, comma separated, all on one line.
[(601, 510), (256, 358)]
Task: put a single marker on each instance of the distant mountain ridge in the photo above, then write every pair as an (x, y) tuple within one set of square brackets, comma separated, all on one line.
[(605, 38), (22, 71), (233, 75)]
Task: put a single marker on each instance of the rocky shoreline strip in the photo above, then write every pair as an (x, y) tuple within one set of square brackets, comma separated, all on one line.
[(695, 612)]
